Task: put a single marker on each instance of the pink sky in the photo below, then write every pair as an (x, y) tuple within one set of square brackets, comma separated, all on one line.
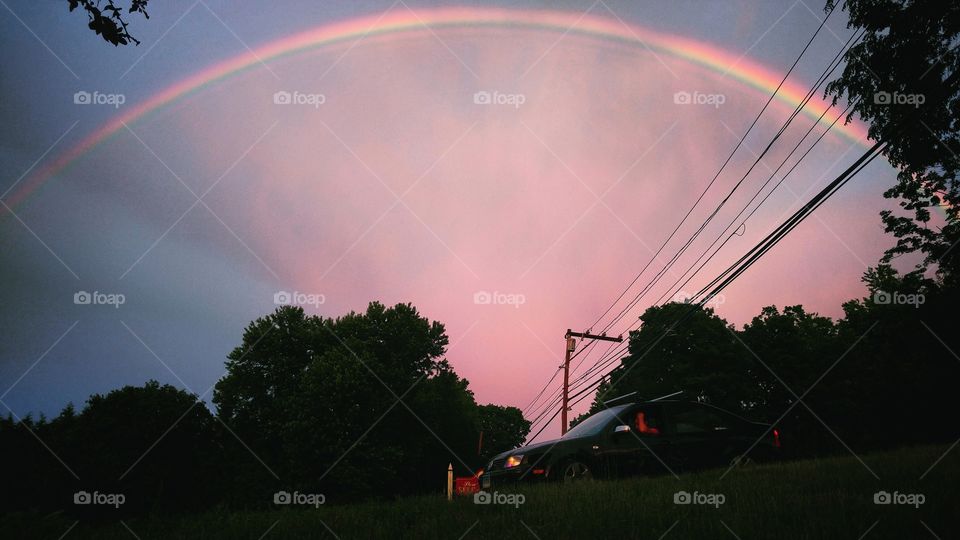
[(499, 198), (494, 197)]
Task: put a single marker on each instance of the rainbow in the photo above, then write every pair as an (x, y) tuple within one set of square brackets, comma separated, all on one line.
[(408, 22)]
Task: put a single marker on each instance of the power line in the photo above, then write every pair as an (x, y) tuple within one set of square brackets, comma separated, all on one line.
[(674, 287), (774, 238), (535, 398), (786, 124), (552, 377), (717, 175), (736, 186), (832, 65), (745, 262)]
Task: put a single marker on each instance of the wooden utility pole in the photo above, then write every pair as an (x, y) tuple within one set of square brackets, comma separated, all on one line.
[(571, 346)]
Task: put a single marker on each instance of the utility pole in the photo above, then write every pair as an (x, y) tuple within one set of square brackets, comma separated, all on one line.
[(571, 346)]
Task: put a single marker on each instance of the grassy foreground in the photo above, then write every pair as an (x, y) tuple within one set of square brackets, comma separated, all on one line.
[(829, 498)]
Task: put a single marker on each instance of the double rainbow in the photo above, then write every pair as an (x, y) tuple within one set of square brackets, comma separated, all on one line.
[(403, 22)]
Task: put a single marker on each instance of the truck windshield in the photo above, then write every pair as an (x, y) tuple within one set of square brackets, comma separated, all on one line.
[(593, 424)]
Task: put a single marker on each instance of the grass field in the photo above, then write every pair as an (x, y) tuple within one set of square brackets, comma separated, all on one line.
[(828, 498)]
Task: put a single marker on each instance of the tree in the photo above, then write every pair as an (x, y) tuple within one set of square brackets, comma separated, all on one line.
[(108, 20), (700, 356), (33, 479), (155, 444), (787, 350), (502, 428), (265, 371), (898, 381), (443, 429), (346, 406), (904, 80)]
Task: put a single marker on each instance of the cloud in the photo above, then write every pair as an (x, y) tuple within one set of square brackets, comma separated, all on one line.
[(498, 196)]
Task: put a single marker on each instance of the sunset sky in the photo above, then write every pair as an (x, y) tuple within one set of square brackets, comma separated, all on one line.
[(390, 177)]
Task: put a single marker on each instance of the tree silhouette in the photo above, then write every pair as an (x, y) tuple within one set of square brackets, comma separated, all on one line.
[(904, 78), (503, 428), (107, 19), (156, 444), (700, 356), (349, 405)]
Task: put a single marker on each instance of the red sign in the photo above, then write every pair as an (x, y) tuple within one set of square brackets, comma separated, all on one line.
[(466, 485)]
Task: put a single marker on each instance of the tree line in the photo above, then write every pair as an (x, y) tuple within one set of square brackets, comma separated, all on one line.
[(884, 375), (359, 406)]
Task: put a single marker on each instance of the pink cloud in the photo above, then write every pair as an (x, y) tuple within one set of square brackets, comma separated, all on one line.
[(500, 198)]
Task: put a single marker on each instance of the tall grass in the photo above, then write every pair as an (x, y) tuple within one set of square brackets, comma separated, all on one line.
[(827, 498)]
